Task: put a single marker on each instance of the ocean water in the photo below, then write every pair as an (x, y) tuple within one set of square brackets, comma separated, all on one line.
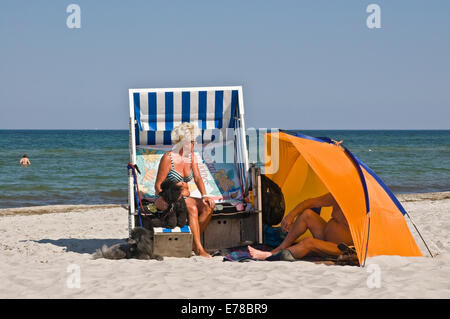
[(90, 167), (67, 167)]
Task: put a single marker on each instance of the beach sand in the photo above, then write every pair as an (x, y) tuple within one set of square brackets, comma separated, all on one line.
[(43, 249)]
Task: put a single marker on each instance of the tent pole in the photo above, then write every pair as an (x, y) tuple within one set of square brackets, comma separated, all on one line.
[(367, 241), (429, 251)]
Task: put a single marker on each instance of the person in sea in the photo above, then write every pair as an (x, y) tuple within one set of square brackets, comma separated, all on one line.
[(326, 235), (180, 165), (25, 161)]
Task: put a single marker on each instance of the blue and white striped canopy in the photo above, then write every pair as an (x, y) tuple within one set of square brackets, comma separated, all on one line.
[(158, 111)]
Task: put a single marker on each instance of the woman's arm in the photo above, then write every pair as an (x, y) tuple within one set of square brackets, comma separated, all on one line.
[(163, 170), (199, 182), (197, 177)]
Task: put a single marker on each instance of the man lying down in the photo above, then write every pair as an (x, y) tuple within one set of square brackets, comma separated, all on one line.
[(326, 235)]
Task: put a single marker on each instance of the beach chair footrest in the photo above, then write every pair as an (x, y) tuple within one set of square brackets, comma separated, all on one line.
[(174, 242)]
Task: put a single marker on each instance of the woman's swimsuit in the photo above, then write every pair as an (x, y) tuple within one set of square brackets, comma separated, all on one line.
[(176, 177)]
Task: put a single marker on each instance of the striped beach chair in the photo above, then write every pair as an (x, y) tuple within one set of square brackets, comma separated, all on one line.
[(221, 149)]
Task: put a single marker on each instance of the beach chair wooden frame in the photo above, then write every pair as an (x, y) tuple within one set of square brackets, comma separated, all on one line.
[(137, 125)]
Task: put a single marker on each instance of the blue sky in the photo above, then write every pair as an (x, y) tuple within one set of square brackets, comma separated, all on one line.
[(303, 64)]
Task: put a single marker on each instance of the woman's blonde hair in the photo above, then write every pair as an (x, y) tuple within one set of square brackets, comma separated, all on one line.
[(185, 132)]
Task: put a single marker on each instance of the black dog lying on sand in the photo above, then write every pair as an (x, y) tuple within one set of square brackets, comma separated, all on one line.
[(139, 246), (175, 215)]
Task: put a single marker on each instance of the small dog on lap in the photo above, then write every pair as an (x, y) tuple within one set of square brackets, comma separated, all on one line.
[(139, 246), (176, 214)]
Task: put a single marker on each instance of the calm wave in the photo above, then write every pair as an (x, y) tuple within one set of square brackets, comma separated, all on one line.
[(90, 167)]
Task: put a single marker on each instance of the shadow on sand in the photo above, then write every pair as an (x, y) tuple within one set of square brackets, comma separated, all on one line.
[(81, 246)]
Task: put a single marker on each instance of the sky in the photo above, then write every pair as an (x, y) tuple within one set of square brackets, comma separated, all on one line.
[(302, 64)]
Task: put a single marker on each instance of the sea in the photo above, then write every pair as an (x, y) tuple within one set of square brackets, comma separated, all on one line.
[(90, 166)]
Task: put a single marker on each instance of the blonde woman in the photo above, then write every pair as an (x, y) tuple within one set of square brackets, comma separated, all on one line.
[(180, 166)]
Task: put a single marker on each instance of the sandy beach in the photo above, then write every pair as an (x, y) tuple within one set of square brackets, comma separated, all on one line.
[(42, 248)]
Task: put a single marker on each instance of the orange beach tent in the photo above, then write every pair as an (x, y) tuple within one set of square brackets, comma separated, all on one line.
[(306, 167)]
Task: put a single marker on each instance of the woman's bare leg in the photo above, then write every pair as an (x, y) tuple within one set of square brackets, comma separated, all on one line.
[(204, 212), (205, 215), (195, 227), (307, 220)]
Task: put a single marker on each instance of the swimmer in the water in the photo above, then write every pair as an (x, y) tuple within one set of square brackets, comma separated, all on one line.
[(24, 161)]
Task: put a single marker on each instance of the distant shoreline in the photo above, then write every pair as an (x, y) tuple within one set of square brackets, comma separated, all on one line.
[(49, 209), (413, 197)]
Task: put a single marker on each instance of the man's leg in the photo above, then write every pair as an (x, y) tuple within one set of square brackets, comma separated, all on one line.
[(316, 246), (307, 220), (337, 233)]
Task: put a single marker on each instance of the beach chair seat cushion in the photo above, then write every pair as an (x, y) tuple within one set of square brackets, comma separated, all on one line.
[(221, 180)]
